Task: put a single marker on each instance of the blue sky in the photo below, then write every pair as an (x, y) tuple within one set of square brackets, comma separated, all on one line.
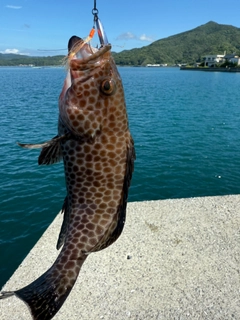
[(32, 26)]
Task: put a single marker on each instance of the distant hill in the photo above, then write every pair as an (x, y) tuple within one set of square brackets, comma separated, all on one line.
[(18, 59), (185, 47), (11, 56)]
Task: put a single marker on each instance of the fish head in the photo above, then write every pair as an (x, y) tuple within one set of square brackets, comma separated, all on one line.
[(93, 91)]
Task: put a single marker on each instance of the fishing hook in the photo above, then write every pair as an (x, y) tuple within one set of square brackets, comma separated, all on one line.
[(96, 22)]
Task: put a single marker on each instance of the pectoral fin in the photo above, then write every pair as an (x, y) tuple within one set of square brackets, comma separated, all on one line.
[(40, 145), (51, 150), (51, 153)]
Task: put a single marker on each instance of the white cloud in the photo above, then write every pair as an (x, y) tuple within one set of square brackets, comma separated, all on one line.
[(13, 7), (144, 37), (15, 51), (131, 36), (126, 36)]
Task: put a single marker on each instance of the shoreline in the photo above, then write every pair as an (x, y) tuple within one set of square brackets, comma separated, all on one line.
[(210, 69), (175, 259)]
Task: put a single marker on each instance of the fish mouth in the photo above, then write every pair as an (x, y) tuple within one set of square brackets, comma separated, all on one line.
[(82, 53)]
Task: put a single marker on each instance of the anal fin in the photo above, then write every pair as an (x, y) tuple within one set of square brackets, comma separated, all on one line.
[(64, 228)]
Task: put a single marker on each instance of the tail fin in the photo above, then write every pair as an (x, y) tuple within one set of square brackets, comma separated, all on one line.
[(46, 295)]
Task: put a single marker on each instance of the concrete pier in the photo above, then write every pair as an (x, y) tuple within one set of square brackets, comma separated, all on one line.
[(206, 69), (176, 259)]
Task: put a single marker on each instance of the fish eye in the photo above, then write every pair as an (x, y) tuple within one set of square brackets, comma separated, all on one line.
[(108, 87)]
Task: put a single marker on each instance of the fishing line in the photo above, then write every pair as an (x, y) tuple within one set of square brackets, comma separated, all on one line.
[(95, 10), (95, 21), (51, 49)]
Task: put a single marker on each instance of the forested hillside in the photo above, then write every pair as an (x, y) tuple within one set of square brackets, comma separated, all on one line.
[(17, 59), (186, 47)]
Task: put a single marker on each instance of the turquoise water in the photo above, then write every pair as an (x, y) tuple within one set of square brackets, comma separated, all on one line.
[(185, 126)]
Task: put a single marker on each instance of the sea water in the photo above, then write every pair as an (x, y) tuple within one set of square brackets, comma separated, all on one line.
[(185, 126)]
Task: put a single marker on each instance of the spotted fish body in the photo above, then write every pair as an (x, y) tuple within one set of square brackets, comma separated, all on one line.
[(98, 153)]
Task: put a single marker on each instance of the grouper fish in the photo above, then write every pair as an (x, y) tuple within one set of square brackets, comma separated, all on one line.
[(97, 149)]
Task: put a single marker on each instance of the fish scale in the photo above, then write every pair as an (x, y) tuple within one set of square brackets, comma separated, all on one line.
[(98, 154)]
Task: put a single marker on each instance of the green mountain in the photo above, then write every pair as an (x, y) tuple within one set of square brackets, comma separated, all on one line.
[(185, 47)]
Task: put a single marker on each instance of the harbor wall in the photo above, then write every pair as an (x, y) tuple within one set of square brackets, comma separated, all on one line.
[(210, 69)]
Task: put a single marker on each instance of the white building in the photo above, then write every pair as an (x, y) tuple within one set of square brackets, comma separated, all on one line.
[(213, 59), (232, 58), (235, 60)]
